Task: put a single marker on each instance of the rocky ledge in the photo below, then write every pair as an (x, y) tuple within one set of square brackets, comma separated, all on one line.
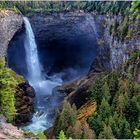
[(8, 131), (77, 92)]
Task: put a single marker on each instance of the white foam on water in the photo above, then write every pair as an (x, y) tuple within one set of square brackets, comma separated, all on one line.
[(39, 123), (43, 87)]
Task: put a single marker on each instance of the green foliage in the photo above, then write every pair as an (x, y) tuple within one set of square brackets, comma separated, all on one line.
[(106, 133), (62, 135), (65, 119), (124, 129), (106, 7), (31, 135), (136, 132), (106, 91), (95, 122), (2, 63), (135, 7), (7, 91), (97, 92), (135, 55), (113, 84), (104, 110), (119, 30), (28, 134), (133, 112), (8, 82), (16, 10), (123, 28), (41, 135), (118, 102), (112, 122)]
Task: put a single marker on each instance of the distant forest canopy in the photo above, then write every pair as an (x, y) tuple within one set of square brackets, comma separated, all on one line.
[(101, 7)]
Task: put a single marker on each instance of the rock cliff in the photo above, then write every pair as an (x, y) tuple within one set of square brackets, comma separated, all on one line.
[(60, 30), (24, 103), (10, 23)]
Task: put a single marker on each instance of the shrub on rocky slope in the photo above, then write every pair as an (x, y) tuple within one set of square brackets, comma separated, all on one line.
[(8, 82)]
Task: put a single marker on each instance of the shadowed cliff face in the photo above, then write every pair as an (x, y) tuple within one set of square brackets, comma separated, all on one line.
[(16, 53), (67, 44)]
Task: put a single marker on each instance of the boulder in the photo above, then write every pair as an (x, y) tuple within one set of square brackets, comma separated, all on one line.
[(24, 103)]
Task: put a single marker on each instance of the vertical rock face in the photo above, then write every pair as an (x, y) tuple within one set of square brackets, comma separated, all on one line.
[(121, 50), (112, 52), (24, 103), (10, 23), (60, 36)]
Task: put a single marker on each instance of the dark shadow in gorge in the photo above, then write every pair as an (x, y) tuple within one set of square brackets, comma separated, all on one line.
[(71, 57), (68, 50), (16, 53)]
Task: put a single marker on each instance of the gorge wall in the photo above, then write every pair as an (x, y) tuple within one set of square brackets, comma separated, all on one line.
[(60, 36), (74, 40), (10, 23), (120, 49), (61, 33)]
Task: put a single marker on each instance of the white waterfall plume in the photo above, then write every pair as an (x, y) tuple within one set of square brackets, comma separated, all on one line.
[(43, 87)]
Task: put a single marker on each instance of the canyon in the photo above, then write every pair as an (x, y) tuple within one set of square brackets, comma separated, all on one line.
[(75, 47)]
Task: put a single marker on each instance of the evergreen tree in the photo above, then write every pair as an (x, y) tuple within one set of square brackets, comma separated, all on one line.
[(113, 84), (57, 123), (121, 104), (95, 123), (87, 132), (124, 129), (65, 119), (62, 135), (132, 112), (41, 135), (76, 131), (97, 93), (113, 124), (104, 110), (106, 92), (136, 132), (106, 133)]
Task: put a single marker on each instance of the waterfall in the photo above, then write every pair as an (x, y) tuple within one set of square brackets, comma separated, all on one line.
[(33, 65), (43, 87)]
